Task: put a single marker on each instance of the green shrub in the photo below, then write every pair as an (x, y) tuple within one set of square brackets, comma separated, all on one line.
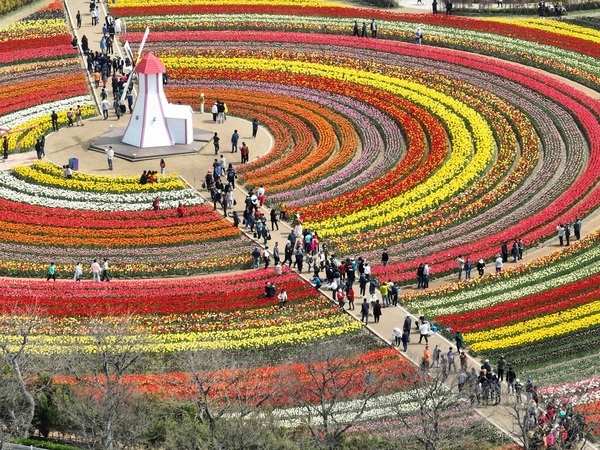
[(46, 444)]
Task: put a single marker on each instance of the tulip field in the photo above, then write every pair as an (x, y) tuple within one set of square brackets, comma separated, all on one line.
[(49, 218), (542, 317), (431, 151), (40, 72)]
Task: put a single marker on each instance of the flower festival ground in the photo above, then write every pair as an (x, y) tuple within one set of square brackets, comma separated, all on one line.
[(487, 132)]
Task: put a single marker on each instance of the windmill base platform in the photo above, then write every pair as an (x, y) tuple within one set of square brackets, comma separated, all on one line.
[(114, 136)]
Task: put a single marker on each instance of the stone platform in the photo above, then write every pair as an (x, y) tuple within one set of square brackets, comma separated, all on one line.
[(114, 135)]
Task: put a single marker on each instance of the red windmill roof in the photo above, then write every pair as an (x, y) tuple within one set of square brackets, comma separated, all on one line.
[(150, 64)]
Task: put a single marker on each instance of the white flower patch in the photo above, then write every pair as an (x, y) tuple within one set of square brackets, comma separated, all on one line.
[(13, 120), (16, 190)]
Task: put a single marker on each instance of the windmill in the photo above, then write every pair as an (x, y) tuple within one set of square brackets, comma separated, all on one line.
[(154, 121)]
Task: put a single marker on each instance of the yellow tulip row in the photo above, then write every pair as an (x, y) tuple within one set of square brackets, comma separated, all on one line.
[(33, 29), (32, 129), (559, 27), (538, 329), (234, 339), (472, 141), (48, 174)]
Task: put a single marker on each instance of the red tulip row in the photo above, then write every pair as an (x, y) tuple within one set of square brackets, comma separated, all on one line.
[(38, 53), (20, 213), (221, 293)]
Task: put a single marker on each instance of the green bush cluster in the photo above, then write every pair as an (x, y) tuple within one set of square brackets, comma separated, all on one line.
[(39, 443), (379, 3), (7, 6)]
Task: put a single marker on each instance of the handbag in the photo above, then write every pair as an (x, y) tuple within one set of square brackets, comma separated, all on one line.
[(204, 185), (269, 237), (234, 202)]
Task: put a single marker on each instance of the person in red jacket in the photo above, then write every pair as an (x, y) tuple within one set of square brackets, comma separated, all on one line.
[(180, 210), (350, 295)]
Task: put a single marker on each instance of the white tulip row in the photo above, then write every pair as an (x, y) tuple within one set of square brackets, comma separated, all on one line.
[(16, 190)]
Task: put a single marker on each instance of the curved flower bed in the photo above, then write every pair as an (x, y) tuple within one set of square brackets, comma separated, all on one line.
[(431, 212), (65, 221), (40, 72), (427, 151)]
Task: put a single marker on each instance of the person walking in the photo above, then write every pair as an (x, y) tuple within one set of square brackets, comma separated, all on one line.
[(405, 340), (5, 148), (162, 166), (255, 124), (51, 272), (376, 311), (364, 311), (105, 271), (274, 220), (424, 330), (105, 107), (266, 257), (235, 137), (374, 28), (78, 272), (355, 30), (458, 339), (216, 140), (364, 30), (54, 118), (202, 101), (78, 19), (568, 234), (78, 116), (95, 269), (110, 153)]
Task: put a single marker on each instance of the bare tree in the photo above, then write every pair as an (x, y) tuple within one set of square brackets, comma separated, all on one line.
[(229, 398), (433, 413), (18, 402), (103, 408), (323, 387)]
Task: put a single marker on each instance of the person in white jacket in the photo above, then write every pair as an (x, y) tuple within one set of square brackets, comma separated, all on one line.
[(424, 330)]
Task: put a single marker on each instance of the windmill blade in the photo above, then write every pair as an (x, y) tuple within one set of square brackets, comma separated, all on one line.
[(126, 88)]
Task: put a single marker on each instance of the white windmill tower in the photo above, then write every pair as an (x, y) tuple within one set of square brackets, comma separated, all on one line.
[(154, 121), (148, 125)]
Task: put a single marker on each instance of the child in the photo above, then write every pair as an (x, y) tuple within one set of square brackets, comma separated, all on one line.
[(341, 298)]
